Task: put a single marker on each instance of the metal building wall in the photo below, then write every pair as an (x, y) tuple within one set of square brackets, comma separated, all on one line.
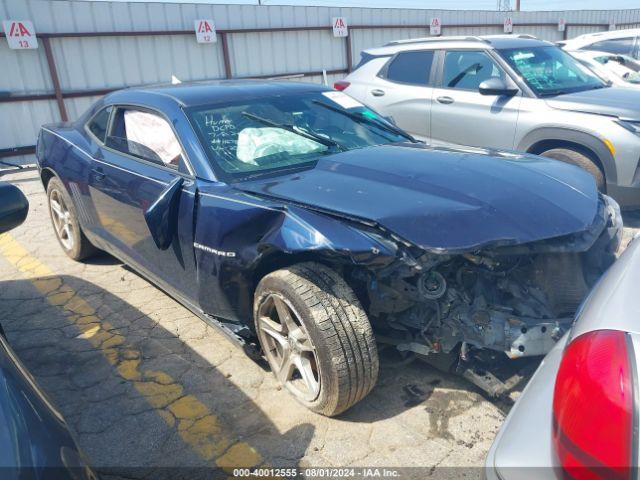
[(102, 62)]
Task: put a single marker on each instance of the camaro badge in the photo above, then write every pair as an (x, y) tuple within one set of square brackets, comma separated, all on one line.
[(220, 253)]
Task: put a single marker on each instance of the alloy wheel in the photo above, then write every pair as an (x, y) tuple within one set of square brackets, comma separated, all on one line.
[(288, 347), (62, 220)]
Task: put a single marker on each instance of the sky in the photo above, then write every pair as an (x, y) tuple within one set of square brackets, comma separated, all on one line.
[(441, 4)]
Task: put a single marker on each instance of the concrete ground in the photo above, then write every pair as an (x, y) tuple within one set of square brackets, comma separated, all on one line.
[(145, 385)]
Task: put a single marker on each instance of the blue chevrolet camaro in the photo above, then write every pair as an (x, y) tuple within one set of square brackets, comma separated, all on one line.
[(310, 229)]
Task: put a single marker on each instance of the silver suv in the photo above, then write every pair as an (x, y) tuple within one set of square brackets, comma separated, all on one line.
[(507, 92)]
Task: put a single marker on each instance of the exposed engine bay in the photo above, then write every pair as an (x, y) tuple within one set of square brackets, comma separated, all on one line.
[(463, 311)]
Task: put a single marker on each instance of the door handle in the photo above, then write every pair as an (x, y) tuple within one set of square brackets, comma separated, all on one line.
[(445, 100), (376, 92)]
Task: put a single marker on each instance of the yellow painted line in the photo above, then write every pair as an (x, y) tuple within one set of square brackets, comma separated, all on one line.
[(197, 425)]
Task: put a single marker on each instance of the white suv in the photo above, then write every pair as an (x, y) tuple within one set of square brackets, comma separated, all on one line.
[(508, 92)]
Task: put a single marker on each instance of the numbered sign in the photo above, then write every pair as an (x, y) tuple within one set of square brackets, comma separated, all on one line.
[(20, 34), (340, 28), (435, 26), (508, 25), (205, 31), (562, 25)]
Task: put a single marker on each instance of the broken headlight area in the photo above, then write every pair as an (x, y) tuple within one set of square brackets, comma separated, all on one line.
[(467, 310)]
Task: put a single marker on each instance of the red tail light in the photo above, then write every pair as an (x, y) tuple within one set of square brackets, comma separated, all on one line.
[(593, 407), (340, 85)]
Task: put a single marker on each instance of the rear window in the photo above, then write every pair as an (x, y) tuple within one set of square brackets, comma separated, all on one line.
[(621, 46), (367, 57), (410, 67), (98, 123)]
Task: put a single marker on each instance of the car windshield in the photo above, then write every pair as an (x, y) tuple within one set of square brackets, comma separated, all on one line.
[(551, 71), (624, 67), (279, 134)]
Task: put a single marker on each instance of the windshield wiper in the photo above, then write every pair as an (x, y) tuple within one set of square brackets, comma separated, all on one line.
[(298, 131), (566, 91), (358, 117)]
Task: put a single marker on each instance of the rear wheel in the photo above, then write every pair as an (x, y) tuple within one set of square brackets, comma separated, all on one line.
[(316, 337), (580, 160), (65, 222)]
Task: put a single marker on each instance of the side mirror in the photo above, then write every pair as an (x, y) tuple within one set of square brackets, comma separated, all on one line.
[(496, 86), (13, 207)]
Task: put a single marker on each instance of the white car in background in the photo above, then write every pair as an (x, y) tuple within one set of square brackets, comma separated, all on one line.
[(620, 42), (620, 70)]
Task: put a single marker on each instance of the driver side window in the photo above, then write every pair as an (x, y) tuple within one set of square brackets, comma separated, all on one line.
[(467, 69), (145, 135)]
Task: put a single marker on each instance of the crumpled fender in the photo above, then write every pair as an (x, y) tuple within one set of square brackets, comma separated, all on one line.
[(238, 235), (302, 230)]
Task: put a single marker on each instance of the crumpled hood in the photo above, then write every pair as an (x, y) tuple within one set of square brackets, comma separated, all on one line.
[(449, 199), (614, 101)]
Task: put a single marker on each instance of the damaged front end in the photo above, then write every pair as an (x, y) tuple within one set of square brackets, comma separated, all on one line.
[(462, 310), (459, 257)]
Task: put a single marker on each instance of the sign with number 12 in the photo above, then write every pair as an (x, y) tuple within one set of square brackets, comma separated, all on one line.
[(205, 31)]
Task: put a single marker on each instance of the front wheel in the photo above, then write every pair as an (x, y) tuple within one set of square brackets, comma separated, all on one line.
[(316, 337), (579, 160)]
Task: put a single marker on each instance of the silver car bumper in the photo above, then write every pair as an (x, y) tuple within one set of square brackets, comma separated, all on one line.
[(523, 448)]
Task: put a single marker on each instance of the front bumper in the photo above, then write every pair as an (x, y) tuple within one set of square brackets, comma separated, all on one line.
[(523, 448)]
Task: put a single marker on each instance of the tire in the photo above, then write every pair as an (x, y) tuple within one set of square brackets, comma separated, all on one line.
[(579, 160), (331, 322), (70, 236)]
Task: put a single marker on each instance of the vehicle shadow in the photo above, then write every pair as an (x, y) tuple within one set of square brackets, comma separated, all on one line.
[(104, 258), (403, 385), (144, 397)]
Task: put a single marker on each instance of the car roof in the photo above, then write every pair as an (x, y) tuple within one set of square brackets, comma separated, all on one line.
[(589, 38), (485, 42), (199, 93)]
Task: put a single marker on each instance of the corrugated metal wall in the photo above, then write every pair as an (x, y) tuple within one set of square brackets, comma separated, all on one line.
[(117, 61)]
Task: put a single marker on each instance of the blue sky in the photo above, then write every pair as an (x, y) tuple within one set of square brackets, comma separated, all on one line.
[(444, 4)]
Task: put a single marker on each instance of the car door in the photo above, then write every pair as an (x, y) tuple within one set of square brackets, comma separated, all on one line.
[(140, 160), (402, 91), (460, 114)]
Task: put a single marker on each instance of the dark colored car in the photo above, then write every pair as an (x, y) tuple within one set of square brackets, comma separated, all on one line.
[(292, 215), (35, 442)]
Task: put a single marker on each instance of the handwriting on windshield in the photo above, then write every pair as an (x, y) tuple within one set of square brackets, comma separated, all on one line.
[(223, 135)]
